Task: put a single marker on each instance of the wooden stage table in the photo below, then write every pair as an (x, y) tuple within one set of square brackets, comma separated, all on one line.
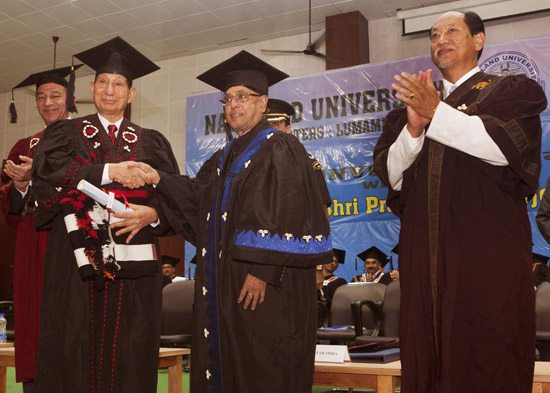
[(386, 377), (168, 357)]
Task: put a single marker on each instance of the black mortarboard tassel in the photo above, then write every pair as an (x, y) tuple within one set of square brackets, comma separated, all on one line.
[(243, 69), (12, 110), (394, 250), (227, 129), (70, 101)]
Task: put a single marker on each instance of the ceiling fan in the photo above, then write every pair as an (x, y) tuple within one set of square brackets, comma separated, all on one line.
[(310, 47)]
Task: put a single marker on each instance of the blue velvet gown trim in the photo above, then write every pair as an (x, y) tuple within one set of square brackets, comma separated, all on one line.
[(212, 253)]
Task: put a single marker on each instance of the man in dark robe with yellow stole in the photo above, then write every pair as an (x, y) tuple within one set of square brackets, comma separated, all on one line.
[(458, 173), (101, 303), (257, 218)]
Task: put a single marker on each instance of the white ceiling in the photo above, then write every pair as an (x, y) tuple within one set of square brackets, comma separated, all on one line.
[(160, 29)]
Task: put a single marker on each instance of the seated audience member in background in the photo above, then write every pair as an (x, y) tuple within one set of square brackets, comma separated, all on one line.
[(374, 263), (459, 165), (101, 303), (169, 268), (330, 281), (18, 207)]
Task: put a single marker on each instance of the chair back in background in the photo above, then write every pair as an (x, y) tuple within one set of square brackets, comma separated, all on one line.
[(340, 310), (390, 310), (542, 308), (177, 312)]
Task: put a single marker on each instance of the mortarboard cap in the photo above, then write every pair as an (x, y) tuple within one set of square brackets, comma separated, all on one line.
[(374, 252), (340, 255), (539, 258), (243, 69), (169, 260), (278, 110), (57, 76), (116, 56)]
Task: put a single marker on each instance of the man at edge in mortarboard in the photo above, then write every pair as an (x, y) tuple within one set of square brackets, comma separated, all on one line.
[(54, 101), (102, 289), (169, 268), (374, 262), (257, 219)]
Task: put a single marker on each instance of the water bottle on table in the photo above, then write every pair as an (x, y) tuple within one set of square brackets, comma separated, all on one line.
[(3, 324)]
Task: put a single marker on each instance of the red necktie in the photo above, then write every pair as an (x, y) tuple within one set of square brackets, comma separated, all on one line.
[(112, 130)]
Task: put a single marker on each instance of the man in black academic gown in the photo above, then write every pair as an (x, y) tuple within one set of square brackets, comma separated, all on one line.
[(255, 214), (100, 311), (458, 167)]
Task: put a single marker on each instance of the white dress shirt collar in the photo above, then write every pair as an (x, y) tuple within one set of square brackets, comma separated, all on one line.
[(449, 87), (105, 123)]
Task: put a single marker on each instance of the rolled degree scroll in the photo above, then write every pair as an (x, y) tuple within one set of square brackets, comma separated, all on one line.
[(105, 199)]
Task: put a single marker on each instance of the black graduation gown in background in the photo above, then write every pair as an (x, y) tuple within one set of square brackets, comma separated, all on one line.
[(331, 287), (126, 312), (254, 208), (467, 302)]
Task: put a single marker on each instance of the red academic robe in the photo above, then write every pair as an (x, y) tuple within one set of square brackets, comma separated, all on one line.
[(30, 246)]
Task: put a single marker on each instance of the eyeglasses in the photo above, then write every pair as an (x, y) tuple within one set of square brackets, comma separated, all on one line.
[(241, 96)]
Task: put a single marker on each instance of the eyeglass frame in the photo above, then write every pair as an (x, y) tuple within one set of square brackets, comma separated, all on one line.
[(238, 100)]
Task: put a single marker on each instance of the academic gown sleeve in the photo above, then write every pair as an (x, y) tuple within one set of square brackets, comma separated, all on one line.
[(158, 153), (282, 219), (181, 198), (510, 114), (393, 124)]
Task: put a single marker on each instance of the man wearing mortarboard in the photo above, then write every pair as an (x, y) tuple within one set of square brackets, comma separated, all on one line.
[(257, 219), (278, 114), (101, 304), (374, 261), (54, 101), (330, 281), (169, 268)]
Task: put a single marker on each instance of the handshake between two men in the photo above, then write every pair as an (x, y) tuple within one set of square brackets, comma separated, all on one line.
[(134, 175)]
